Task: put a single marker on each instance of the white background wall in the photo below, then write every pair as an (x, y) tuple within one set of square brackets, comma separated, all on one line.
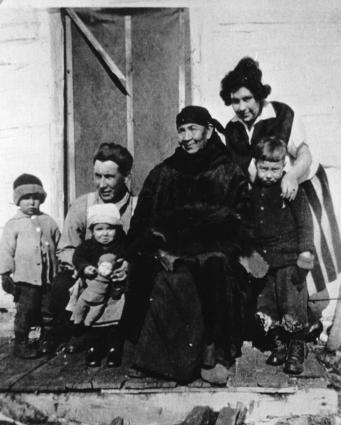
[(298, 46), (31, 104)]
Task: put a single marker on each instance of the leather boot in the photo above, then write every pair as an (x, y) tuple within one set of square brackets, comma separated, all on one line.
[(114, 342), (295, 358), (314, 331), (93, 356), (114, 357), (278, 348), (23, 348), (76, 344), (47, 341)]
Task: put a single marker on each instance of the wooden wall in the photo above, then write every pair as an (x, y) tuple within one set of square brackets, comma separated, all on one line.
[(31, 104), (298, 45)]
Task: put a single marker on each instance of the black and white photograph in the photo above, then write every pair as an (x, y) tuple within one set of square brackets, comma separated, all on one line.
[(170, 215)]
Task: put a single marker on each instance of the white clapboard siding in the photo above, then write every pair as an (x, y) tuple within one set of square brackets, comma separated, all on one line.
[(298, 45), (31, 104)]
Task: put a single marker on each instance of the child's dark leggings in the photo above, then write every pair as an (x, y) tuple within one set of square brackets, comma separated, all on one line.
[(32, 303), (104, 337)]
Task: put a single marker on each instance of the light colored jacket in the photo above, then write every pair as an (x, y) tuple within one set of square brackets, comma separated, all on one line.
[(24, 242), (75, 226)]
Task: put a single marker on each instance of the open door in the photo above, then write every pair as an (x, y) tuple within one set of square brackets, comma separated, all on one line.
[(151, 48)]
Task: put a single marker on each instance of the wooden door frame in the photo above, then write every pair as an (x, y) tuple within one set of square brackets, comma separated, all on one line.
[(69, 147)]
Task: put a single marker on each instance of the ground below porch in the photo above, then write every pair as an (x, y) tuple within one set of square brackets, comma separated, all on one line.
[(60, 389)]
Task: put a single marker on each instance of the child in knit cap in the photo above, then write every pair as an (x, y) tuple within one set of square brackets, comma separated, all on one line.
[(28, 264), (96, 260)]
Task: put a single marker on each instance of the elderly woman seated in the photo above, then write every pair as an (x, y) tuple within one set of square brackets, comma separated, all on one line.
[(184, 310)]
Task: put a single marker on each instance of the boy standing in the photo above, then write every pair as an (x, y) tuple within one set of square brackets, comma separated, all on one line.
[(284, 236), (28, 252)]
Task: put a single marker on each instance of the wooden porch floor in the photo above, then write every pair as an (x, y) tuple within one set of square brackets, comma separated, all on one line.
[(66, 373)]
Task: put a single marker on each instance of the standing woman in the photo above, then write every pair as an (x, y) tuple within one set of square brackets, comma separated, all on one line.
[(256, 118)]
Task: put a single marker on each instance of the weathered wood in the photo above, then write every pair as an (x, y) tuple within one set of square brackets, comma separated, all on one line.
[(182, 60), (61, 373), (57, 121), (12, 369), (14, 408), (69, 373), (200, 415), (109, 378), (252, 371), (117, 421), (129, 83), (172, 407), (312, 368), (199, 383), (230, 416), (103, 57), (70, 122), (5, 348), (148, 383)]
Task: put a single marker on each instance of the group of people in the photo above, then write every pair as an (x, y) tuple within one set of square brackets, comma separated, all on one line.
[(217, 248)]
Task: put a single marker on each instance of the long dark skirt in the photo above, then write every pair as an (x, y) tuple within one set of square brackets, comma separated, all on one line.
[(197, 304)]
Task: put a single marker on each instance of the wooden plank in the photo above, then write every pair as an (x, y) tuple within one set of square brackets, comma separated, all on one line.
[(5, 348), (182, 60), (148, 383), (61, 373), (109, 378), (252, 371), (57, 121), (4, 341), (312, 368), (70, 131), (12, 369), (129, 83), (199, 383), (103, 57)]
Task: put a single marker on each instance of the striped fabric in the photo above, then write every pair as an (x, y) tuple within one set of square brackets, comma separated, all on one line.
[(326, 233)]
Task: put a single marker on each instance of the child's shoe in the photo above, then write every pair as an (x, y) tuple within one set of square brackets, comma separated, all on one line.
[(278, 348), (114, 357), (314, 331), (93, 356), (76, 344), (47, 341), (295, 358), (23, 349)]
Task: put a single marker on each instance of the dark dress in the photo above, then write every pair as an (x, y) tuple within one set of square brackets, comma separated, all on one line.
[(198, 202)]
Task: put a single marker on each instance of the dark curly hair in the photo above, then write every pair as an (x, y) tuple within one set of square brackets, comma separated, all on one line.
[(245, 74), (116, 153)]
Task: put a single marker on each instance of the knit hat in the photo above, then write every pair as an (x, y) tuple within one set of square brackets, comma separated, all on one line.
[(193, 114), (103, 213), (27, 184)]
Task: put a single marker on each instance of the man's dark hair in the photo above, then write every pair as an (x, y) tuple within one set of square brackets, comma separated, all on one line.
[(116, 153), (270, 149)]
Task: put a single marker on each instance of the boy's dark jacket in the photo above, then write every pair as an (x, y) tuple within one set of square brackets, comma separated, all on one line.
[(283, 229)]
